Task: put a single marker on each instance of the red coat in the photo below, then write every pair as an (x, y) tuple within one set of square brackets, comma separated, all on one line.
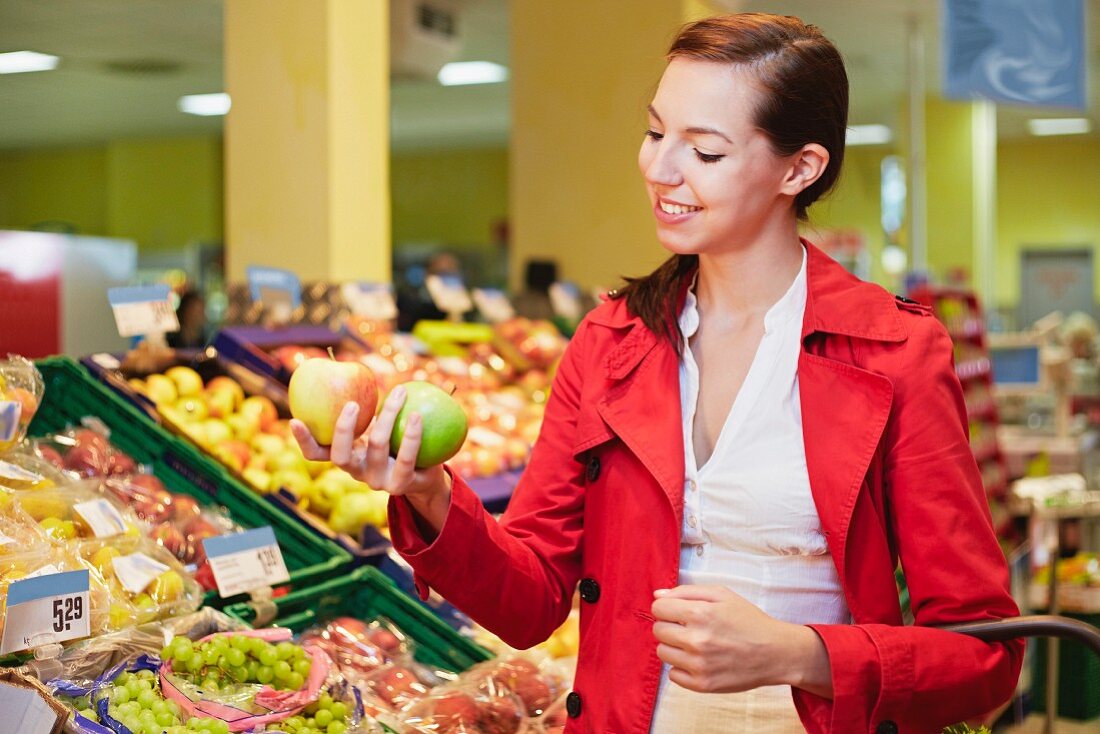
[(891, 473)]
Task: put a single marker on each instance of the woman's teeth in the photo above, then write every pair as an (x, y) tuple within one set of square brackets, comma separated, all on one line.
[(678, 209)]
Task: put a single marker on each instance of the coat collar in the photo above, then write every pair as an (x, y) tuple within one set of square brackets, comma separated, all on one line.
[(836, 303)]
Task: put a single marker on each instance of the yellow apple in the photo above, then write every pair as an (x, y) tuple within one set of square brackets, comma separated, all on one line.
[(188, 382), (161, 390), (320, 388)]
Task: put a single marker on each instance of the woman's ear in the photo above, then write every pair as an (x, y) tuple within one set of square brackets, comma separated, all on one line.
[(807, 165)]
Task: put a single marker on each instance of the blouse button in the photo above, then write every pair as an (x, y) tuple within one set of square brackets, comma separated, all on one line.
[(692, 522), (698, 550)]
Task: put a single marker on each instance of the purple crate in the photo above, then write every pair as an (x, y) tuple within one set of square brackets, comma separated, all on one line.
[(250, 346)]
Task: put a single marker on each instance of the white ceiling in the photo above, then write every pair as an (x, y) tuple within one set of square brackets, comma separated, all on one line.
[(87, 101)]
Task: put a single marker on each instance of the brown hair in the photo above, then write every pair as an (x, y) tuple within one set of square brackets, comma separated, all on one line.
[(804, 100)]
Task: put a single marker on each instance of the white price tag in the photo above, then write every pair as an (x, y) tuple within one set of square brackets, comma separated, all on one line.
[(493, 305), (106, 361), (10, 412), (448, 293), (245, 561), (143, 310), (565, 300), (372, 301), (17, 473), (136, 571), (102, 517), (46, 609)]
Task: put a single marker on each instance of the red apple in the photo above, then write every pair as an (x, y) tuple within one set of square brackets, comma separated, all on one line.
[(320, 388), (454, 709), (186, 507), (50, 454), (120, 463), (172, 539)]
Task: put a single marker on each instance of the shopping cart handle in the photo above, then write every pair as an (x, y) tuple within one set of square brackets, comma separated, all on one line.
[(1039, 625)]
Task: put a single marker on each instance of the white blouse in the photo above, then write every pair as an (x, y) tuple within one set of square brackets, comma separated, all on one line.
[(750, 522)]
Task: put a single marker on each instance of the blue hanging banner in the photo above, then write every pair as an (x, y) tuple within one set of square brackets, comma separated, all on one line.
[(1029, 52)]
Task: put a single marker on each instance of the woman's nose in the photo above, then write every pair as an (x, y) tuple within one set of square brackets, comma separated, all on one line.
[(662, 169)]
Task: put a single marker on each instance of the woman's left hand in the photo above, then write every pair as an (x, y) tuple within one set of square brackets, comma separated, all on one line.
[(717, 642)]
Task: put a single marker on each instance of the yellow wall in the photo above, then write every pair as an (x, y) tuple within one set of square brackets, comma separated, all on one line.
[(579, 94), (1046, 197), (452, 197), (165, 193), (64, 185), (854, 203)]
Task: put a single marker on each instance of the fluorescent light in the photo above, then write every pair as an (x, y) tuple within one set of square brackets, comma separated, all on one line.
[(868, 135), (1059, 126), (205, 104), (472, 72), (17, 62)]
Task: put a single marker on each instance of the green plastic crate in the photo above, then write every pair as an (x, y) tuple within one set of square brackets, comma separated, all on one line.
[(1078, 675), (72, 393), (366, 593)]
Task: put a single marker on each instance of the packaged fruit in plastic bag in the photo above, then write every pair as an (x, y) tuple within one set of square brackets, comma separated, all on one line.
[(18, 532), (336, 711), (465, 709), (86, 452), (143, 573), (78, 512), (554, 718), (398, 684), (51, 560), (359, 647), (249, 679), (22, 469), (21, 389), (537, 684)]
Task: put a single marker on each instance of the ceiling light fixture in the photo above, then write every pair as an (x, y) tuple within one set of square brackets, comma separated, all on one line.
[(205, 104), (1059, 126), (868, 135), (17, 62), (472, 72)]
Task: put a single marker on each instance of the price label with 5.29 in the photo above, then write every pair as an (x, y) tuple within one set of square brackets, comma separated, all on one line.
[(242, 562), (46, 609)]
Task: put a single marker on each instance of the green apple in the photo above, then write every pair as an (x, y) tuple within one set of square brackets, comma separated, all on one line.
[(320, 388), (442, 418)]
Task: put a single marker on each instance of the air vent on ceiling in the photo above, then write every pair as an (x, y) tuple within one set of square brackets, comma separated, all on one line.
[(142, 67), (424, 35)]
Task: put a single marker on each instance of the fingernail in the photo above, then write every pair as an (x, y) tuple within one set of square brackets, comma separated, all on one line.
[(660, 592), (399, 392), (414, 419)]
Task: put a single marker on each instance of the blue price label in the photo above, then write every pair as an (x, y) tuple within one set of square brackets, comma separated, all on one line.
[(274, 282)]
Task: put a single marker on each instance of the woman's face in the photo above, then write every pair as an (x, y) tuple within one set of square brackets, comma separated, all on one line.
[(712, 177)]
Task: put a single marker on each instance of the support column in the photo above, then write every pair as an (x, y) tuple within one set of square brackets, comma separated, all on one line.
[(307, 138), (582, 75)]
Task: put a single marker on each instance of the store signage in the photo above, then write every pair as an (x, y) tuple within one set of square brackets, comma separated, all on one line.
[(565, 300), (449, 294), (493, 305), (242, 562), (143, 310), (373, 301), (1021, 52), (46, 609), (278, 290)]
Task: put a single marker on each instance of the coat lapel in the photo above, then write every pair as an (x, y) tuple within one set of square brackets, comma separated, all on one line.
[(642, 407)]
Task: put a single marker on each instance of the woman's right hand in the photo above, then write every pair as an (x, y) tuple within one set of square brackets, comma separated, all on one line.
[(367, 458)]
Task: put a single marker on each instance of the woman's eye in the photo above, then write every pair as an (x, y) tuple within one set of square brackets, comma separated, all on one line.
[(654, 135), (708, 157)]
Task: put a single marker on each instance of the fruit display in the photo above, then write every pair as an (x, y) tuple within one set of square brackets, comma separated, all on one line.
[(226, 659), (357, 647), (21, 469), (528, 344), (536, 688), (461, 709), (77, 512), (21, 390), (1078, 584), (144, 575)]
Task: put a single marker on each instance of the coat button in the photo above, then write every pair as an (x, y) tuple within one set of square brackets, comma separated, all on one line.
[(590, 590), (593, 469), (573, 704), (886, 727)]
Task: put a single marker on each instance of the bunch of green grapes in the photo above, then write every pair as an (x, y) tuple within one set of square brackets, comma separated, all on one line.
[(135, 701), (323, 716), (227, 659)]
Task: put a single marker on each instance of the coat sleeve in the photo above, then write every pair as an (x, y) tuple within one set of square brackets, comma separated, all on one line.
[(516, 578), (919, 677)]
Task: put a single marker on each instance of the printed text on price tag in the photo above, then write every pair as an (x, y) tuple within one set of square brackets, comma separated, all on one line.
[(46, 609), (245, 561), (143, 310)]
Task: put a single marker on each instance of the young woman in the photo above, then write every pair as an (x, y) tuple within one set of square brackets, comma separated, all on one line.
[(738, 450)]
